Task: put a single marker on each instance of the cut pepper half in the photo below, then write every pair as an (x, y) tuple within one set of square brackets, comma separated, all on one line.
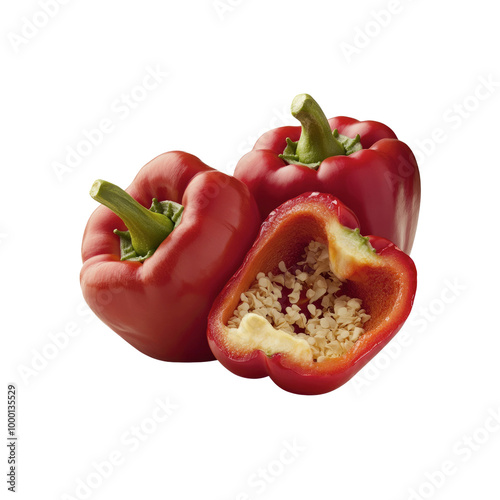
[(313, 301)]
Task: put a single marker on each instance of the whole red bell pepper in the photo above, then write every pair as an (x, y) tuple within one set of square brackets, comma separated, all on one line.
[(155, 283), (360, 162), (370, 268)]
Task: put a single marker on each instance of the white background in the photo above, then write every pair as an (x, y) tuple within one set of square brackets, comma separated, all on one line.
[(227, 72)]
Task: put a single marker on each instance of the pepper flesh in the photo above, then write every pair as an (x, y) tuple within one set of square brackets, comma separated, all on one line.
[(380, 183), (372, 269), (160, 306)]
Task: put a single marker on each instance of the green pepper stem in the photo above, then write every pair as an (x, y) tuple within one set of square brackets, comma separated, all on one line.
[(147, 229), (316, 141)]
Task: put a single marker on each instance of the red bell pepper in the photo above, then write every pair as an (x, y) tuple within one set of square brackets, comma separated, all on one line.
[(361, 162), (371, 269), (156, 287)]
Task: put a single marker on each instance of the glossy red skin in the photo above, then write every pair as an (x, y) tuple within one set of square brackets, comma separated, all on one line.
[(161, 306), (387, 290), (380, 183)]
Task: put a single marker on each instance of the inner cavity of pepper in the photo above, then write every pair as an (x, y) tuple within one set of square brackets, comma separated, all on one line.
[(306, 301)]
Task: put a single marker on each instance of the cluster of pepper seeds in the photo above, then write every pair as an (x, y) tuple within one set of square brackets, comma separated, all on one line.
[(329, 322)]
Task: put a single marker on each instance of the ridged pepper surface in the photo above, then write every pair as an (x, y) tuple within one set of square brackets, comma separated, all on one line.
[(360, 162), (155, 283)]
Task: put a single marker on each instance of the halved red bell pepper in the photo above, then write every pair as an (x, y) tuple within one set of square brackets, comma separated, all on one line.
[(361, 162), (155, 284), (371, 269)]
